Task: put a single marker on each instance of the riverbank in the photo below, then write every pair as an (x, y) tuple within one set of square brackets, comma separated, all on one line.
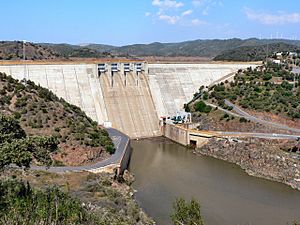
[(108, 197), (258, 157)]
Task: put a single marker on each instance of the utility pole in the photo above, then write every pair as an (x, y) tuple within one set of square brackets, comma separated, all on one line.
[(24, 61)]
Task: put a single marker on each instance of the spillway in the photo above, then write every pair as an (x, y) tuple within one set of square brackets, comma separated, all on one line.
[(132, 102)]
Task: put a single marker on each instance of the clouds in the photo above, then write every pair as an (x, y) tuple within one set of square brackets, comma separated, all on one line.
[(169, 19), (197, 22), (174, 12), (206, 5), (165, 4), (279, 18), (187, 12)]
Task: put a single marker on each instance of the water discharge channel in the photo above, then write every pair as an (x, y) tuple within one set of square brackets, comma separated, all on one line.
[(228, 196)]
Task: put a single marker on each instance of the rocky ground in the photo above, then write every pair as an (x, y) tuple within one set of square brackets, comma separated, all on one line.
[(105, 195), (276, 160)]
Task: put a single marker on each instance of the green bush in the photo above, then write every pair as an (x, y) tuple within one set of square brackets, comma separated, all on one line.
[(22, 204), (187, 213), (243, 120), (202, 107)]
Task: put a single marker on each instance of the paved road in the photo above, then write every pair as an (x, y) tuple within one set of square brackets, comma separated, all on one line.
[(224, 110), (261, 135), (120, 141), (228, 134), (223, 79), (258, 120)]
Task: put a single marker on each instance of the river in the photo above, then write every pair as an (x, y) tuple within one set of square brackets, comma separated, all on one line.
[(228, 196)]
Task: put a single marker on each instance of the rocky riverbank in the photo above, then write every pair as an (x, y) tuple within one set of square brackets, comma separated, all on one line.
[(269, 159)]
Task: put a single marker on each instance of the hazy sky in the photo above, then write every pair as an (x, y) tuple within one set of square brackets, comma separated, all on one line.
[(120, 22)]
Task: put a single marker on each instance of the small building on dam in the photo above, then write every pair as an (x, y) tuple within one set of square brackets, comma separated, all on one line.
[(129, 95)]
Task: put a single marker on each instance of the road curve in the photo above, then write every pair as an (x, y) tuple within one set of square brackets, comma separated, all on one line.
[(120, 141)]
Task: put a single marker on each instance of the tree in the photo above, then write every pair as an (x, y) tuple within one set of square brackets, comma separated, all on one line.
[(186, 213), (16, 148), (202, 107), (10, 129)]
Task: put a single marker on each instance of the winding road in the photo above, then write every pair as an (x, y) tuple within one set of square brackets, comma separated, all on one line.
[(258, 120), (120, 141), (241, 113)]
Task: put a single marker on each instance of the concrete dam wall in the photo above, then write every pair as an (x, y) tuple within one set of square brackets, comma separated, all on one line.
[(133, 102), (173, 85)]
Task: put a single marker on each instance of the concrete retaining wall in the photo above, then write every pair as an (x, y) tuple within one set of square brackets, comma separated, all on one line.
[(176, 134), (124, 162), (184, 135)]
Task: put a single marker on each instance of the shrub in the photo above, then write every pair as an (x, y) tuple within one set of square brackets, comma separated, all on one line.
[(243, 120), (188, 213), (202, 107), (22, 204)]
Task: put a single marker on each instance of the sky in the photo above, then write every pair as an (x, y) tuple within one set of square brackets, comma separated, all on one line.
[(122, 22)]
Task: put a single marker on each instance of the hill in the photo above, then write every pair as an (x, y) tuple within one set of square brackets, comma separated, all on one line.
[(255, 53), (235, 49), (40, 112), (196, 48), (76, 51), (271, 91), (100, 47), (13, 50)]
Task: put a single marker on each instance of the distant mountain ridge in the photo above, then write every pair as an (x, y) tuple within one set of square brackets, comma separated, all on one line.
[(235, 49), (196, 48)]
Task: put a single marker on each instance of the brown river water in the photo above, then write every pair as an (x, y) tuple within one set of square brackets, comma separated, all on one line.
[(228, 196)]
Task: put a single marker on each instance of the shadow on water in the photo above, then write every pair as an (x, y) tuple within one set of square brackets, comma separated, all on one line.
[(228, 196)]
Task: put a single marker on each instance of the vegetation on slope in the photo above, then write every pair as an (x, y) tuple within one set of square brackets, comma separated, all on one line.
[(16, 148), (103, 199), (76, 51), (88, 53), (13, 50), (70, 198), (22, 204), (40, 112), (269, 89), (230, 50), (255, 53), (196, 48)]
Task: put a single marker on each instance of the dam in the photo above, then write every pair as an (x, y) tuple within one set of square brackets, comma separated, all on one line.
[(130, 96)]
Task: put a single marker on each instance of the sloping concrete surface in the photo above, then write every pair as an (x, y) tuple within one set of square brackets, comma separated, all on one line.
[(130, 107), (173, 85)]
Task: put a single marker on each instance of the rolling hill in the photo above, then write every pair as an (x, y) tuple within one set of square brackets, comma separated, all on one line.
[(196, 48), (255, 53), (235, 49), (13, 50)]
